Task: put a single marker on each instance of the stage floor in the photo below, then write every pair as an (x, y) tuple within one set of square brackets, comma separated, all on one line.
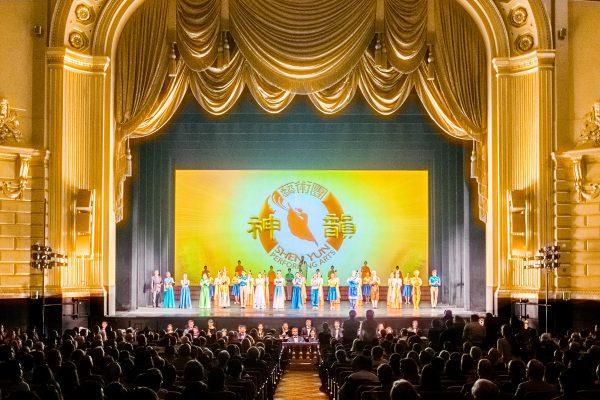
[(237, 312)]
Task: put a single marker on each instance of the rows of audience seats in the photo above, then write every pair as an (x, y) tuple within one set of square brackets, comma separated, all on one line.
[(114, 364), (454, 359)]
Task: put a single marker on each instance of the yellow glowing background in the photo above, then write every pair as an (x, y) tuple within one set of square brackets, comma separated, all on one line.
[(213, 207)]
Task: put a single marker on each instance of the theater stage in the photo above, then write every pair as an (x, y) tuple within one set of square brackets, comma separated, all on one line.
[(158, 318)]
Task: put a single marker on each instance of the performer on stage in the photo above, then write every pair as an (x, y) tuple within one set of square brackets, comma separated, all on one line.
[(271, 275), (398, 288), (185, 298), (364, 270), (375, 281), (235, 289), (353, 293), (239, 268), (391, 291), (204, 302), (407, 289), (366, 288), (303, 268), (223, 290), (244, 288), (289, 283), (315, 286), (303, 289), (359, 298), (169, 300), (330, 272), (212, 284), (416, 282), (266, 289), (434, 287), (297, 292), (259, 292), (333, 294), (250, 301), (215, 284), (155, 288), (278, 295)]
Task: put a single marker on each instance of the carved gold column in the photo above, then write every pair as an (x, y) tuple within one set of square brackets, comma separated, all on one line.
[(77, 128), (521, 144)]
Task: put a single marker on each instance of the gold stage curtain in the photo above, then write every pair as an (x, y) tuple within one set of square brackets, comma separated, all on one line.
[(217, 89), (302, 46), (325, 49), (456, 96), (405, 28), (385, 89), (198, 28), (145, 98)]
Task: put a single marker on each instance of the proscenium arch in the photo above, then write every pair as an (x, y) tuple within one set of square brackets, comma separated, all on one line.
[(486, 14), (496, 31)]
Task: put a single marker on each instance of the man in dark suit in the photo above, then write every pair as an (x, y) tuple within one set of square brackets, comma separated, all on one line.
[(295, 338), (307, 328)]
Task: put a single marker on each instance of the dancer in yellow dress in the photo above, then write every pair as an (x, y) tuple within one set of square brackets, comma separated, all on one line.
[(416, 282), (250, 302), (333, 293), (267, 284), (375, 281), (303, 290), (398, 288), (217, 284), (224, 300), (391, 283)]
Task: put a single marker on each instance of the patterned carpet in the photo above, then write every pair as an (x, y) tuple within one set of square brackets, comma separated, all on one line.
[(301, 381)]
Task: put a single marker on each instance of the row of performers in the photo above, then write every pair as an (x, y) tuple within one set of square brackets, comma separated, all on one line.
[(254, 292)]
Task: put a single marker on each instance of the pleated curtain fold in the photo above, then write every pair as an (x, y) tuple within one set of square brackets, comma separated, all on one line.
[(324, 49)]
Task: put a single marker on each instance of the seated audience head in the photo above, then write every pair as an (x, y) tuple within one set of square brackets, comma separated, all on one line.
[(403, 390), (484, 389)]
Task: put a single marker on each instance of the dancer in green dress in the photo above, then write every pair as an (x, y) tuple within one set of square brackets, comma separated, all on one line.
[(204, 292)]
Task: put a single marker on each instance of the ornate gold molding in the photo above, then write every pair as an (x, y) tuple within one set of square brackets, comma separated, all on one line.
[(585, 191), (14, 188), (591, 127), (587, 149), (9, 124), (76, 61)]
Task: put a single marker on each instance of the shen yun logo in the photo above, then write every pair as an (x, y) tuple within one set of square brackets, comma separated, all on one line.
[(301, 222)]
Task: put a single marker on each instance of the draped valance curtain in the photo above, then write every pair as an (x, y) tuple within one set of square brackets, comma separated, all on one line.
[(277, 49)]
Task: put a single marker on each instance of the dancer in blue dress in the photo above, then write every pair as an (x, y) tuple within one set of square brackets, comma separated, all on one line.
[(169, 300), (353, 283), (366, 288), (297, 292), (407, 289), (316, 285), (235, 289), (185, 299), (278, 294)]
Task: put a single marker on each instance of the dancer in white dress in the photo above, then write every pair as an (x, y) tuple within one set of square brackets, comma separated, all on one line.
[(279, 294), (259, 292)]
